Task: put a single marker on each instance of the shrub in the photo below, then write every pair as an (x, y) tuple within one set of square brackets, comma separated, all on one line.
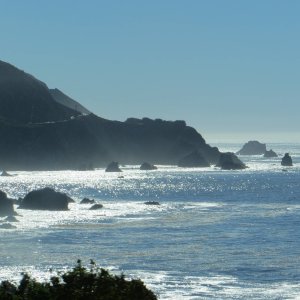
[(79, 283)]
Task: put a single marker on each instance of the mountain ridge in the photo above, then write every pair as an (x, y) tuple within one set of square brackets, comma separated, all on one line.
[(64, 138), (25, 99)]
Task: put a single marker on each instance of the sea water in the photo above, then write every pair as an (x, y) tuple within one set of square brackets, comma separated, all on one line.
[(215, 235)]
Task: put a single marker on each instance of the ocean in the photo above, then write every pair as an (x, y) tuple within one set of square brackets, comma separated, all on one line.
[(215, 235)]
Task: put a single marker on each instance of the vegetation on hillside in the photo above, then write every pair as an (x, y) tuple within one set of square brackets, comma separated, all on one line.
[(78, 284)]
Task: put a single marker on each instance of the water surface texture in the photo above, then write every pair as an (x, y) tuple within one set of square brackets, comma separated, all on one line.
[(216, 235)]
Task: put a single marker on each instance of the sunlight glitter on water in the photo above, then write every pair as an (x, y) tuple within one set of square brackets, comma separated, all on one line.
[(81, 213), (215, 235)]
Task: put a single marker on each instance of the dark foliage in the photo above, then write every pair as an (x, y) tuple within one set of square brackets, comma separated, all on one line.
[(79, 283)]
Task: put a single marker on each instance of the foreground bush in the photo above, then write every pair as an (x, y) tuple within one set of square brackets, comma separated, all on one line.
[(78, 284)]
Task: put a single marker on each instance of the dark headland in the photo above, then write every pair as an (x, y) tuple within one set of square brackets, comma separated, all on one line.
[(43, 129)]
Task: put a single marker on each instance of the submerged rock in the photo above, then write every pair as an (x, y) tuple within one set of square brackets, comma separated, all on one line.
[(7, 226), (194, 160), (45, 199), (113, 167), (229, 161), (152, 203), (270, 153), (253, 148), (11, 219), (6, 205), (96, 206), (287, 160), (87, 201), (148, 167), (5, 174)]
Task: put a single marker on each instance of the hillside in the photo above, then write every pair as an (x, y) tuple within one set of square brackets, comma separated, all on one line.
[(24, 99), (65, 100), (45, 134)]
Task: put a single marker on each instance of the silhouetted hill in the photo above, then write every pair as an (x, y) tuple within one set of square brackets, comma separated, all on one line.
[(59, 138), (89, 140), (65, 100), (25, 99)]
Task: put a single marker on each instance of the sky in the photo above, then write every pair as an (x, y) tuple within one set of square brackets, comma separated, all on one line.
[(230, 69)]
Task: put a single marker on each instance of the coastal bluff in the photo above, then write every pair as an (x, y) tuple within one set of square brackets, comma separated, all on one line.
[(40, 133)]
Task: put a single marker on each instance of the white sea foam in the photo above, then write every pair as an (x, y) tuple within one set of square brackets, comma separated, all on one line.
[(169, 287)]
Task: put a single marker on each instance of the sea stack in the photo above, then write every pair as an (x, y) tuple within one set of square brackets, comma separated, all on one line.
[(5, 174), (113, 167), (6, 205), (147, 166), (229, 161), (253, 148), (286, 160), (270, 153)]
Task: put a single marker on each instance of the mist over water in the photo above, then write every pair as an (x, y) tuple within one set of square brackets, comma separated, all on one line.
[(216, 235)]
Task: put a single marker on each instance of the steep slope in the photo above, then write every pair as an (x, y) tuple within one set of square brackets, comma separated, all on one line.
[(24, 99), (65, 100)]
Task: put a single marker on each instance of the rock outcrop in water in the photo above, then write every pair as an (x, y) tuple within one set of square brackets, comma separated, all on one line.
[(96, 206), (6, 205), (5, 174), (152, 203), (147, 166), (11, 218), (45, 199), (253, 148), (87, 201), (7, 226), (229, 161), (113, 167), (193, 160), (270, 153), (38, 133), (287, 160)]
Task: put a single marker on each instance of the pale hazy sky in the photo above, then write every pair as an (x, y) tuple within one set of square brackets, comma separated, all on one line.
[(229, 68)]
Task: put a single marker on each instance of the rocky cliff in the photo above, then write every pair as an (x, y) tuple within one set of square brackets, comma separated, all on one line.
[(37, 132)]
